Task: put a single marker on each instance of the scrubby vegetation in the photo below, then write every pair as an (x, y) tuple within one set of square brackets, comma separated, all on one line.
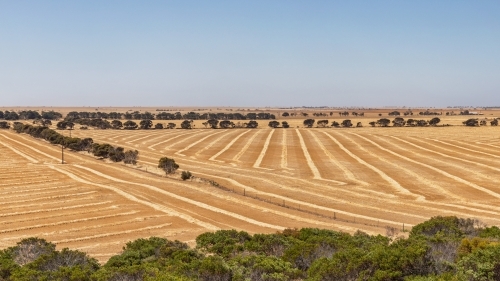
[(443, 248)]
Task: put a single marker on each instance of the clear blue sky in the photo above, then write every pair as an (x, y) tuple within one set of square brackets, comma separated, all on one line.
[(249, 53)]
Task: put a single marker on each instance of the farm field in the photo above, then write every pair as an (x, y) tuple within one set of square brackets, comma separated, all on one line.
[(340, 179)]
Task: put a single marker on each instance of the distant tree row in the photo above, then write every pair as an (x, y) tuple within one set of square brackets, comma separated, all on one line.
[(226, 124), (115, 154), (148, 124), (29, 115), (309, 123), (276, 124), (75, 116), (401, 122), (321, 114), (474, 122)]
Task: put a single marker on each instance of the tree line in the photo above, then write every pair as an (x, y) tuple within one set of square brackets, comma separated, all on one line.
[(136, 115), (442, 248), (29, 115), (105, 150), (147, 124)]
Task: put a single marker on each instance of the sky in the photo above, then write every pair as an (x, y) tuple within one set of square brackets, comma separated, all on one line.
[(250, 53)]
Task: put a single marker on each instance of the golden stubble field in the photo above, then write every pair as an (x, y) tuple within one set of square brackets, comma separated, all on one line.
[(342, 179)]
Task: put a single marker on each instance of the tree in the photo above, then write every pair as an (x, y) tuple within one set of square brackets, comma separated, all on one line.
[(63, 125), (159, 126), (335, 124), (168, 165), (471, 122), (384, 122), (117, 154), (186, 124), (130, 125), (171, 126), (1, 115), (322, 123), (4, 125), (412, 122), (106, 150), (29, 249), (394, 113), (130, 157), (399, 122), (285, 125), (308, 123), (226, 124), (434, 121), (42, 122), (372, 123), (285, 114), (346, 123), (116, 124), (358, 125), (213, 123), (494, 122), (252, 124), (51, 115), (146, 124), (186, 175), (11, 115), (274, 124)]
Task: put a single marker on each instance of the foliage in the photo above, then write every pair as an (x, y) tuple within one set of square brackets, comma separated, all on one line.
[(252, 124), (4, 125), (116, 124), (63, 125), (146, 124), (346, 123), (212, 123), (186, 124), (384, 122), (225, 124), (185, 175), (10, 115), (322, 123), (284, 124), (168, 165), (308, 123), (434, 121), (130, 125), (440, 249), (130, 157), (471, 122), (274, 124), (398, 122)]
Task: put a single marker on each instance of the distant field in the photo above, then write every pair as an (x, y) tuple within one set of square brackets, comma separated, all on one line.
[(342, 179)]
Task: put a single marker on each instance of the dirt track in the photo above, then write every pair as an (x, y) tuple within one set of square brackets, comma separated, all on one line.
[(341, 179)]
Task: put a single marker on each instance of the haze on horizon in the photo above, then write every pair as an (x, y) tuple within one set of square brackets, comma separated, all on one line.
[(249, 53)]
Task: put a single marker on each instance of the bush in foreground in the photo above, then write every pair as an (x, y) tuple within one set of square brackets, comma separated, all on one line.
[(443, 248)]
